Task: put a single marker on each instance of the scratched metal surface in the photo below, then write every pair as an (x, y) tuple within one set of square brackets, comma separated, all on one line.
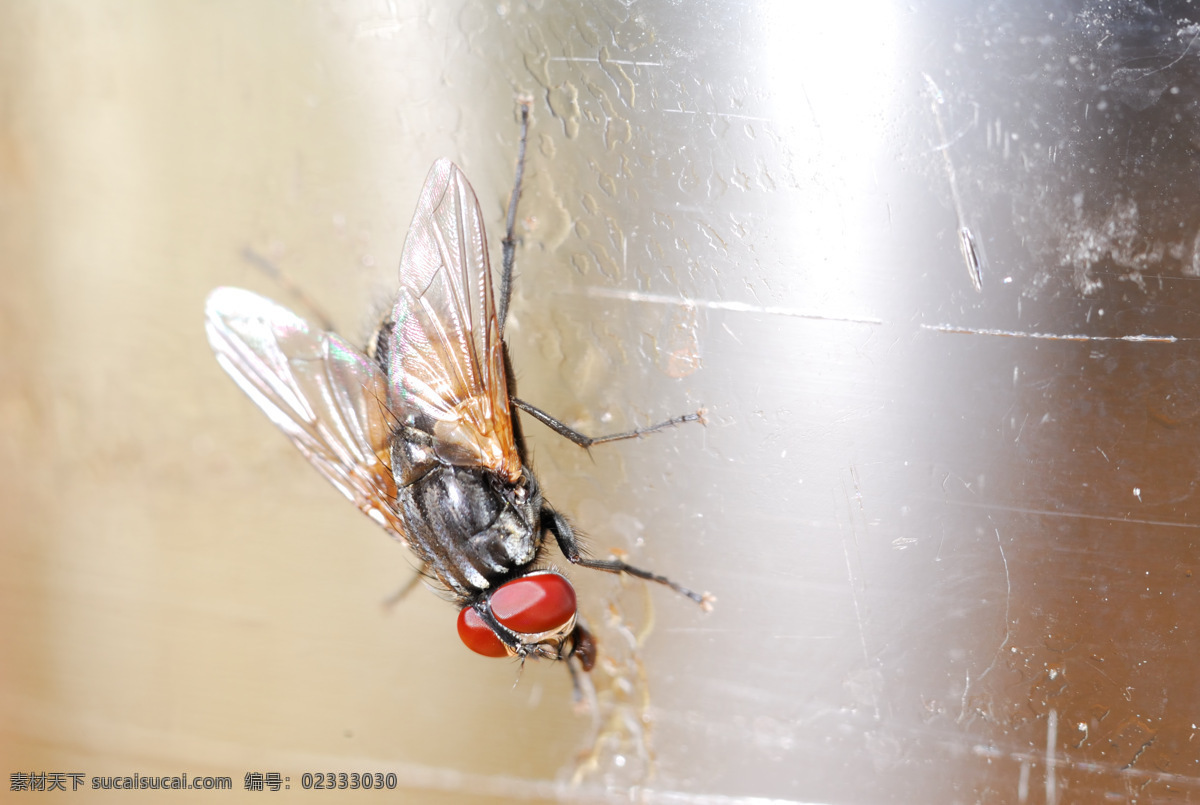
[(932, 272)]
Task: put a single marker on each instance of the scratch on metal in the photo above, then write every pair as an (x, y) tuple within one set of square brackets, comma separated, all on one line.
[(1051, 759), (726, 115), (1007, 628), (966, 239), (1091, 767), (596, 60), (1107, 518), (712, 304), (854, 568), (1152, 339)]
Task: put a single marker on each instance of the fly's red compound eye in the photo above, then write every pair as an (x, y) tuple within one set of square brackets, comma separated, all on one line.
[(541, 602), (478, 636), (534, 605)]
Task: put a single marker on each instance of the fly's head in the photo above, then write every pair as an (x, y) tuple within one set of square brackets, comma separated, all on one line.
[(532, 615)]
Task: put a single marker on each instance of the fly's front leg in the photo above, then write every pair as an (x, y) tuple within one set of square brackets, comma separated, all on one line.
[(568, 543), (483, 608), (588, 441)]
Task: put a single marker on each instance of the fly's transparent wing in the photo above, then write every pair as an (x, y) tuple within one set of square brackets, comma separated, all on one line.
[(446, 356), (329, 398)]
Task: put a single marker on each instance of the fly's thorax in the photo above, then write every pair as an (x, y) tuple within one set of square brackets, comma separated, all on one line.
[(526, 497), (513, 537), (413, 455), (473, 528)]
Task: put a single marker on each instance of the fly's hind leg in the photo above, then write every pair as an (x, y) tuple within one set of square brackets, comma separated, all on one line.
[(290, 286), (406, 588), (586, 441), (506, 279), (509, 243), (568, 543)]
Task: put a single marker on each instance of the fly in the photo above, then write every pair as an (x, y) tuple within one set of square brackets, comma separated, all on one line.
[(419, 429)]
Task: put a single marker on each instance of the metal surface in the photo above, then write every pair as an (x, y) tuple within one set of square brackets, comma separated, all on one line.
[(930, 269)]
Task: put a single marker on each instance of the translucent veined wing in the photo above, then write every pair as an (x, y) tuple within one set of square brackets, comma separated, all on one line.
[(328, 397), (446, 355)]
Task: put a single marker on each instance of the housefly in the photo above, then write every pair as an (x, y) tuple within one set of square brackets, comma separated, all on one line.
[(420, 431)]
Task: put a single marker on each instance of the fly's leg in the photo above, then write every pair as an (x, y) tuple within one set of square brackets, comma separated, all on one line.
[(483, 608), (583, 653), (290, 286), (568, 543), (510, 243), (585, 441), (506, 276), (406, 588)]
